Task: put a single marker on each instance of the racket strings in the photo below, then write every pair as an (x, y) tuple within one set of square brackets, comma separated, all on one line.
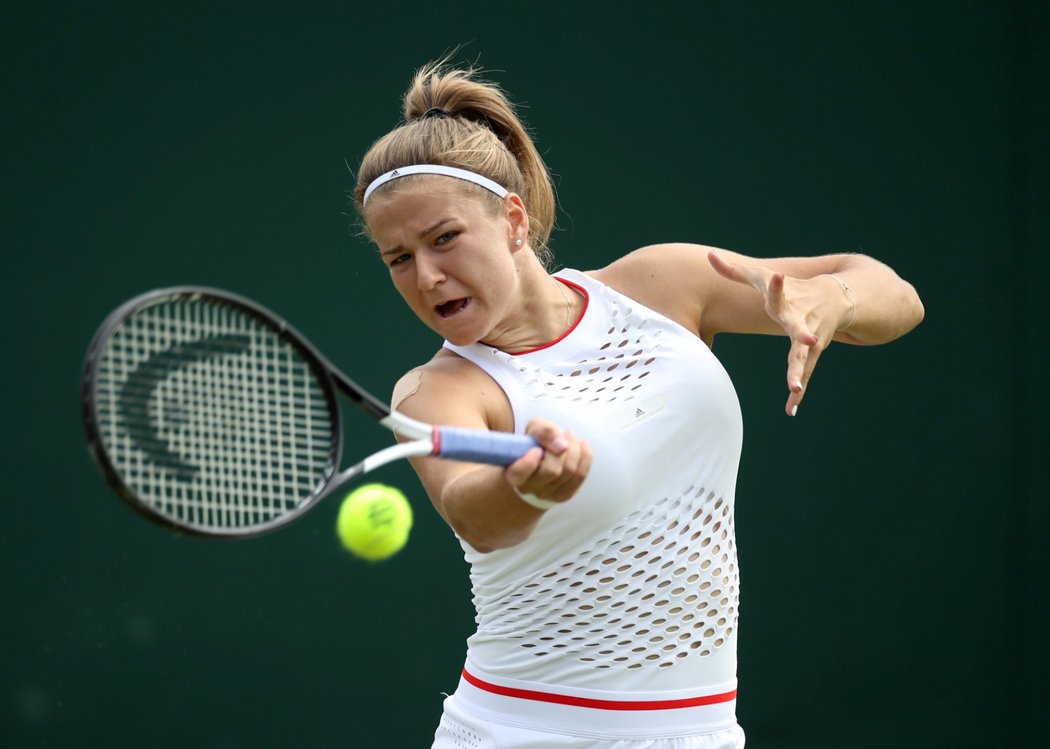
[(210, 417)]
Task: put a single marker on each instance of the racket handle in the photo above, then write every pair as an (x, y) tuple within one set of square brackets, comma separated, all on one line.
[(478, 446)]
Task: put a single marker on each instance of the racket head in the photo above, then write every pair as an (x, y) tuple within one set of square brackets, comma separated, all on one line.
[(208, 414)]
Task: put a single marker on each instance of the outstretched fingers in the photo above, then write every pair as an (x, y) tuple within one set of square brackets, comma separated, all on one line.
[(745, 274), (802, 360), (791, 311)]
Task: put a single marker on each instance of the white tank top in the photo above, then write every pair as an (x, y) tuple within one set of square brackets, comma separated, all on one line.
[(632, 585)]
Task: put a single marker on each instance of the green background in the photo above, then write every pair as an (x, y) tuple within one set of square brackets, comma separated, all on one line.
[(891, 536)]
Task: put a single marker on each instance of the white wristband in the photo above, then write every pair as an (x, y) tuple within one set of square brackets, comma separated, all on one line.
[(532, 499)]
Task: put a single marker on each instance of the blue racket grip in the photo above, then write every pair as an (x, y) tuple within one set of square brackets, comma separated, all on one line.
[(478, 446)]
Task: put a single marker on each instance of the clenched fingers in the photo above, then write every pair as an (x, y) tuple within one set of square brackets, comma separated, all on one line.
[(555, 470)]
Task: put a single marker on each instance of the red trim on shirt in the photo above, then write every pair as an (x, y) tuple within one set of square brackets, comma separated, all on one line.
[(586, 301), (565, 699)]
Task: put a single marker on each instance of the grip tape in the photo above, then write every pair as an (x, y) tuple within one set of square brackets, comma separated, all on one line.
[(478, 446)]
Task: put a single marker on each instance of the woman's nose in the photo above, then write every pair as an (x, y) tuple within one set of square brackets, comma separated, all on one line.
[(428, 272)]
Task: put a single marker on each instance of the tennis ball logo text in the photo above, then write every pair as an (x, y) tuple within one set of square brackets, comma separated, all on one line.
[(381, 514)]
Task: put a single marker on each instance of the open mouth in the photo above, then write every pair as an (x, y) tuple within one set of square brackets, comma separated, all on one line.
[(453, 307)]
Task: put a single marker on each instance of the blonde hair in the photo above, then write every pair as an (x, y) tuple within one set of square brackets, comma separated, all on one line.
[(452, 117)]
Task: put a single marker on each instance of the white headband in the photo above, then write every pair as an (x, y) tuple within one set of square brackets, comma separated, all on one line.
[(447, 171)]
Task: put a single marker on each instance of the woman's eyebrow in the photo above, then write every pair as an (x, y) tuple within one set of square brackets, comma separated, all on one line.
[(422, 234)]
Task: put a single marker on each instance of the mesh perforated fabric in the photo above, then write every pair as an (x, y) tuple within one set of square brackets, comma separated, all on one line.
[(455, 734), (659, 587)]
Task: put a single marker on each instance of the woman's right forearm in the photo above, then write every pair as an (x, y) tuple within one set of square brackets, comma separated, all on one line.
[(485, 512)]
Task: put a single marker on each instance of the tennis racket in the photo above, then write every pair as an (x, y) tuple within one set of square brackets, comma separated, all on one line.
[(211, 415)]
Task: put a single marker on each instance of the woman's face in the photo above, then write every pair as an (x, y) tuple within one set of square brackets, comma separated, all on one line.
[(450, 257)]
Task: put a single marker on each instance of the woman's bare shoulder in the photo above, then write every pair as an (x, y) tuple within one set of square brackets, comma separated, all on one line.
[(449, 389), (443, 371), (669, 278)]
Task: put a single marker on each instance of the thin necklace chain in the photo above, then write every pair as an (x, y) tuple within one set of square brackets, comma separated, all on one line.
[(568, 306)]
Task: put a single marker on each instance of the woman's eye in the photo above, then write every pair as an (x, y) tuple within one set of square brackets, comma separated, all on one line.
[(447, 237), (400, 259)]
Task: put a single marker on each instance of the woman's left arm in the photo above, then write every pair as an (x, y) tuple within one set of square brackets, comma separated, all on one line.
[(850, 298), (862, 300)]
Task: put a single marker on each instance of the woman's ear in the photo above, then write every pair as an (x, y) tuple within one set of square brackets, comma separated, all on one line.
[(517, 220)]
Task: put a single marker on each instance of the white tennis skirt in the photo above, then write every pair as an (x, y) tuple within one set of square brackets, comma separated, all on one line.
[(484, 714)]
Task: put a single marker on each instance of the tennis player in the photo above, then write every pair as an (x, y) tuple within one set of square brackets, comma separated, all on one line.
[(604, 564)]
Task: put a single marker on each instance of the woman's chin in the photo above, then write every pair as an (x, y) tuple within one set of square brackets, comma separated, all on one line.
[(457, 330), (459, 338)]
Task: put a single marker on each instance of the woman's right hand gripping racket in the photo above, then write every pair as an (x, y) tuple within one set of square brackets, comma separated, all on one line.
[(210, 415)]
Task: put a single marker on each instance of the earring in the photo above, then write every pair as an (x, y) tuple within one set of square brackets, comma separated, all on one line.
[(517, 242)]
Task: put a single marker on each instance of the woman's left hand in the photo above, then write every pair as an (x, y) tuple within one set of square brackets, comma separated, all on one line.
[(805, 308)]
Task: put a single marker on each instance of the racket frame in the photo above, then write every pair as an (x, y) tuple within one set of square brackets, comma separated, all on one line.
[(420, 439), (326, 373)]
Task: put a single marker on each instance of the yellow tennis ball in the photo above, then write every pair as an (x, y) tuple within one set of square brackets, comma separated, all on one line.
[(374, 521)]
